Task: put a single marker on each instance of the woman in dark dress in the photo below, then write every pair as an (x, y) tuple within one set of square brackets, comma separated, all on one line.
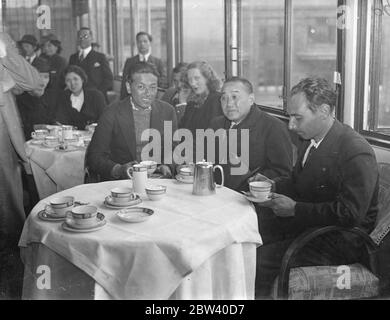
[(77, 106), (51, 50), (203, 103)]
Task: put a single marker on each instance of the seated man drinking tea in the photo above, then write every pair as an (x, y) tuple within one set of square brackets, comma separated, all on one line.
[(116, 144)]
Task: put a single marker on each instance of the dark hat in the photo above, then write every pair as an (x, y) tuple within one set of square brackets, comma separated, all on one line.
[(29, 38), (42, 65), (52, 38)]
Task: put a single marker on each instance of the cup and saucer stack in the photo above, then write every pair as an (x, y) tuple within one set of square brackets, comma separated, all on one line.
[(122, 198), (186, 175), (84, 219)]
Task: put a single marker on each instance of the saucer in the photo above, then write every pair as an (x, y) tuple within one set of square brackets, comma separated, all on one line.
[(180, 179), (135, 215), (44, 144), (251, 198), (111, 205), (36, 142), (46, 216), (70, 225)]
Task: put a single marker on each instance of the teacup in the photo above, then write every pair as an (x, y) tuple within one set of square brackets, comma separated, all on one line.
[(150, 165), (39, 134), (60, 206), (186, 172), (54, 130), (85, 215), (260, 189), (51, 141), (67, 132), (122, 195), (156, 192)]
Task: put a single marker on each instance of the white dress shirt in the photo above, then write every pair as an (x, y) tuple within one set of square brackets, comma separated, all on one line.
[(85, 52), (314, 144), (77, 101)]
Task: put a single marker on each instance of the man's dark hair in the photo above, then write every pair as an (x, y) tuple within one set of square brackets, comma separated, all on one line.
[(245, 82), (317, 91), (77, 70), (141, 67), (143, 33), (180, 67)]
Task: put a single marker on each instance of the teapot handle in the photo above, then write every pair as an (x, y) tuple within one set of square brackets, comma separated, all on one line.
[(222, 174)]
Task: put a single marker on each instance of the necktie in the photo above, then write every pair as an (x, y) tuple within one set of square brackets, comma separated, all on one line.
[(311, 150), (81, 56)]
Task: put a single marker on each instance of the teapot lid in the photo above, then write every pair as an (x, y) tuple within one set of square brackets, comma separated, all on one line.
[(204, 164)]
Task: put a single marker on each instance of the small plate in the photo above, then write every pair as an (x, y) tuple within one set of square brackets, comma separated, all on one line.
[(45, 216), (180, 179), (251, 198), (36, 142), (69, 225), (135, 215), (131, 203), (44, 144)]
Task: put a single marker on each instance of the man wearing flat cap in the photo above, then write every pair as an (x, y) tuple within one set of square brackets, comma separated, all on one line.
[(29, 46)]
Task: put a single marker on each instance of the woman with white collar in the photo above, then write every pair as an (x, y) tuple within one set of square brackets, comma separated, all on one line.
[(78, 106)]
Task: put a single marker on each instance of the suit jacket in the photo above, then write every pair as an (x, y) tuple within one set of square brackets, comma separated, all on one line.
[(36, 110), (96, 67), (130, 62), (270, 147), (114, 140), (338, 184), (93, 107), (57, 67)]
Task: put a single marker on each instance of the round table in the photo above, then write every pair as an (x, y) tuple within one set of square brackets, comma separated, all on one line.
[(192, 247), (56, 170)]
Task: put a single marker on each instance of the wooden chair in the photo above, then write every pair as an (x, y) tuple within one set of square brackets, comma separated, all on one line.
[(320, 282)]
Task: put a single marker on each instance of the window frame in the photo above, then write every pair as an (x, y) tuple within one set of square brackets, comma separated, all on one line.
[(340, 59), (374, 138)]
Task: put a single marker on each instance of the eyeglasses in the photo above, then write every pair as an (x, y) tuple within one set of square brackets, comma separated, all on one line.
[(84, 36), (142, 88)]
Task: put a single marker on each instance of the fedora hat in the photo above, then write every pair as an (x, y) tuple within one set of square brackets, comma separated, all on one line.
[(29, 38)]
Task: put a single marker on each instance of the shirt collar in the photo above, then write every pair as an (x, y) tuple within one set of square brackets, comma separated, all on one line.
[(86, 51), (315, 144), (138, 109), (146, 56)]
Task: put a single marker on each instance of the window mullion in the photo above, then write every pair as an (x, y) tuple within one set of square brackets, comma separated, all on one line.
[(287, 52)]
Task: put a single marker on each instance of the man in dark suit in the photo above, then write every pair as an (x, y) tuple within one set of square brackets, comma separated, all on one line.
[(29, 46), (334, 182), (270, 148), (144, 41), (94, 63), (117, 143)]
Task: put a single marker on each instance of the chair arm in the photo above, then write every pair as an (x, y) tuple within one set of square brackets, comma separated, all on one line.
[(305, 238)]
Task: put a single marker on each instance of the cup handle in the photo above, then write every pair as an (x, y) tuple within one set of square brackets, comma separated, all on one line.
[(33, 135), (48, 208), (129, 171), (222, 174)]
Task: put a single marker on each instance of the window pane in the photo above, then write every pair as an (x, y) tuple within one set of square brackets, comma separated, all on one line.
[(149, 16), (314, 45), (203, 32), (262, 49), (377, 108)]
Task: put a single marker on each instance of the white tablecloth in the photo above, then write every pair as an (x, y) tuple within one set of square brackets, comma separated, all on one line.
[(53, 170), (150, 260)]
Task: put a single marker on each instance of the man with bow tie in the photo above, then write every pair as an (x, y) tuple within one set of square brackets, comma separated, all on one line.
[(94, 63), (144, 45), (334, 183)]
